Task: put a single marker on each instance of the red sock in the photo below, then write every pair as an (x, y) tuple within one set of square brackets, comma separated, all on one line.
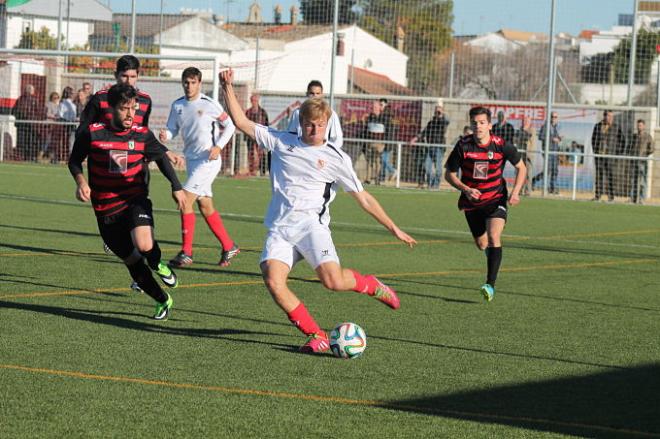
[(364, 284), (215, 224), (187, 232), (303, 321)]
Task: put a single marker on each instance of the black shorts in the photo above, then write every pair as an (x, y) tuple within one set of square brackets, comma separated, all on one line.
[(116, 229), (476, 218)]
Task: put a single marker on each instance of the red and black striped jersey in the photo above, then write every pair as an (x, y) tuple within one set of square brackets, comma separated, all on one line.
[(117, 165), (98, 110), (482, 167)]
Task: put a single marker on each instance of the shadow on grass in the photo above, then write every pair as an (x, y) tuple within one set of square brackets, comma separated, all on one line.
[(104, 318), (496, 352), (611, 404)]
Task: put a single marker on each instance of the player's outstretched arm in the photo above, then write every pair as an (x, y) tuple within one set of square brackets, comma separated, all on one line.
[(521, 175), (373, 208), (233, 106)]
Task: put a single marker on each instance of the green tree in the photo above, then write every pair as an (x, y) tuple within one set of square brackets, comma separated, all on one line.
[(427, 28), (322, 11), (37, 40), (645, 56)]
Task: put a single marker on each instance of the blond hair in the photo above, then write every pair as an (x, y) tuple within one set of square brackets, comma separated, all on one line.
[(313, 109)]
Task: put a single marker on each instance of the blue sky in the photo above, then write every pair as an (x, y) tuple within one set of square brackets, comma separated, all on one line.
[(470, 16)]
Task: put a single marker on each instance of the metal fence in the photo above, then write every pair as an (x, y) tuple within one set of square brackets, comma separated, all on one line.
[(415, 54)]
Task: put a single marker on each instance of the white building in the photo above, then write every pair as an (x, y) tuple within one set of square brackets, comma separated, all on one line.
[(180, 34), (78, 20), (292, 55), (505, 40)]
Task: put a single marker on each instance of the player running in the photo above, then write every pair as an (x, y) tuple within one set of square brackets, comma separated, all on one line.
[(98, 110), (481, 158), (305, 172), (206, 129), (116, 156)]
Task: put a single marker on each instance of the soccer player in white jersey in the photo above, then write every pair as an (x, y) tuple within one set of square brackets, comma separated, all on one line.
[(206, 129), (334, 133), (305, 171)]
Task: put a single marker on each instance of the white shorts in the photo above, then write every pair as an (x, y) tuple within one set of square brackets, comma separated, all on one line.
[(201, 174), (313, 242)]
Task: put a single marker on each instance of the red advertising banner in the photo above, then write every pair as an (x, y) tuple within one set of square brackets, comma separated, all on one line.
[(406, 117), (514, 112)]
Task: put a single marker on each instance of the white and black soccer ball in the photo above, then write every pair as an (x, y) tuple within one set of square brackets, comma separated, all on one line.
[(348, 340)]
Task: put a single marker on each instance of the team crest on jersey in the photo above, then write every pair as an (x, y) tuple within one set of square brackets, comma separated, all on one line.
[(131, 144), (490, 155), (200, 113), (320, 164), (137, 105), (480, 171), (179, 109)]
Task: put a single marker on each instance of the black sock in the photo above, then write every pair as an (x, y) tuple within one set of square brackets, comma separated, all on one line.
[(153, 256), (494, 259), (142, 275)]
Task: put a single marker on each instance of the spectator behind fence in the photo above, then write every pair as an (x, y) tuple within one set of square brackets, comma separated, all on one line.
[(256, 160), (379, 127), (52, 107), (66, 112), (553, 159), (80, 101), (607, 138), (641, 145), (434, 133), (503, 128), (526, 144), (27, 134)]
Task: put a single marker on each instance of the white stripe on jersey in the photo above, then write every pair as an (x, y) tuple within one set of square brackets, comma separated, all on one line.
[(202, 122), (304, 178)]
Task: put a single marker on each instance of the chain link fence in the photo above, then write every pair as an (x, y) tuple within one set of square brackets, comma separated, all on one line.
[(413, 55)]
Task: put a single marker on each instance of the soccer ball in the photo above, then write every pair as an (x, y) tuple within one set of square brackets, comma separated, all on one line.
[(348, 340)]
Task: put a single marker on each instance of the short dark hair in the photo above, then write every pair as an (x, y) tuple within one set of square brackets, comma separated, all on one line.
[(641, 121), (382, 100), (606, 112), (191, 72), (121, 93), (128, 62), (474, 112), (314, 83)]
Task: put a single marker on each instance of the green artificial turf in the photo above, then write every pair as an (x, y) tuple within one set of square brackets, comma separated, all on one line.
[(569, 346)]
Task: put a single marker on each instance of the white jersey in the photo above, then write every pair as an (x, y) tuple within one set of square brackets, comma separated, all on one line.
[(203, 123), (333, 133), (304, 178)]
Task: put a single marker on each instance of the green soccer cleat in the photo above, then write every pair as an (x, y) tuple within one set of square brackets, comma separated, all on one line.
[(167, 275), (163, 309), (488, 291)]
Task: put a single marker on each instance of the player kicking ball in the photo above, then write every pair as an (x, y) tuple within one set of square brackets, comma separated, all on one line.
[(206, 129), (481, 158), (117, 155), (305, 172)]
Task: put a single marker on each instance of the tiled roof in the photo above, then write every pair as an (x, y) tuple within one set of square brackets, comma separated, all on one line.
[(376, 84), (146, 25), (284, 32)]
